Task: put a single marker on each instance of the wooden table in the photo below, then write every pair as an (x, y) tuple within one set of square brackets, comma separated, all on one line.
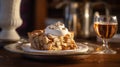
[(9, 59)]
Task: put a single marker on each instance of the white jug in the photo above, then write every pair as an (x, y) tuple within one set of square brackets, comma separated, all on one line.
[(10, 19)]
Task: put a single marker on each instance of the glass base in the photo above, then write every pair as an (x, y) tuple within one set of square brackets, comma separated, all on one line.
[(106, 51)]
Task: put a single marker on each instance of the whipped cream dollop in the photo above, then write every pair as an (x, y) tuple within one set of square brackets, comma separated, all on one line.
[(57, 29)]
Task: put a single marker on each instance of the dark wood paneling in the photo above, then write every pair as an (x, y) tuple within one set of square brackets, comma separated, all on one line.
[(40, 14)]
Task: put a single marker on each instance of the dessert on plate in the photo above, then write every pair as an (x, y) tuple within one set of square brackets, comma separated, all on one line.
[(54, 37)]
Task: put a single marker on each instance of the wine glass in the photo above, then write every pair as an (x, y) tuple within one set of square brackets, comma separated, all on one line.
[(105, 28)]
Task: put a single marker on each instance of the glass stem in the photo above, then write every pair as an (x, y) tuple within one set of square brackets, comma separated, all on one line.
[(105, 44)]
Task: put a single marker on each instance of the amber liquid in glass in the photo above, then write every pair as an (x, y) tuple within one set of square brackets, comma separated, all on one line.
[(105, 30)]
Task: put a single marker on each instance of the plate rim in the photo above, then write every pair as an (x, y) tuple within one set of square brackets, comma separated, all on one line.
[(13, 48)]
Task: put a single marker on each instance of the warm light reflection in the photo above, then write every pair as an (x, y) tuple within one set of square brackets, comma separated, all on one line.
[(87, 15), (114, 17)]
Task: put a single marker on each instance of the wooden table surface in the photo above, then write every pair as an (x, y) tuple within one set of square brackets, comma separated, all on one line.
[(10, 59)]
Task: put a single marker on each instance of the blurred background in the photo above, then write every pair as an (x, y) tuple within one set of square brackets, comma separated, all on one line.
[(37, 14)]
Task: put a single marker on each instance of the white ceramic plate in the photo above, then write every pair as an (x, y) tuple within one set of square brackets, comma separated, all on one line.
[(82, 52), (26, 49)]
